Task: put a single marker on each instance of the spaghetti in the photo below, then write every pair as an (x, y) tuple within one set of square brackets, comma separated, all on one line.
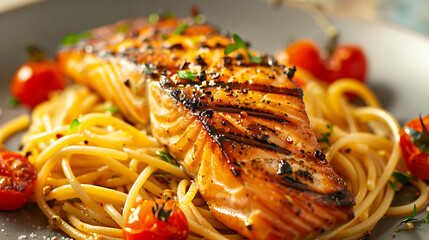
[(89, 177)]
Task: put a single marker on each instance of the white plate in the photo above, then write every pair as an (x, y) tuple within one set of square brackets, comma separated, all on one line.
[(399, 62)]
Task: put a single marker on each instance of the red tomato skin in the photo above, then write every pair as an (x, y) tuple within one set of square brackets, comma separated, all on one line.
[(18, 194), (305, 54), (11, 200), (416, 161), (347, 61), (33, 82), (141, 223)]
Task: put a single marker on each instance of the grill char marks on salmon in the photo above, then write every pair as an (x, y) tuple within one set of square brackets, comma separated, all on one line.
[(239, 129)]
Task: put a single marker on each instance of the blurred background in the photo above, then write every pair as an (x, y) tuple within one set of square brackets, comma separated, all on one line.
[(410, 13)]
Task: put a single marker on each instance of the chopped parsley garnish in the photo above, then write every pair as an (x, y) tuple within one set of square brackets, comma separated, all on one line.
[(326, 135), (70, 39), (419, 139), (73, 126), (123, 28), (161, 175), (74, 38), (13, 102), (115, 176), (393, 185), (180, 29), (186, 75), (166, 157), (112, 109), (239, 43), (153, 18), (400, 178), (408, 219), (164, 36)]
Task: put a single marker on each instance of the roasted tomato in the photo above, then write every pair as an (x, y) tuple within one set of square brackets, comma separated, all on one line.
[(347, 61), (17, 179), (156, 219), (34, 80), (414, 144)]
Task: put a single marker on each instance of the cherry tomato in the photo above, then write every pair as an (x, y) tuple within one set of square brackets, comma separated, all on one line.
[(17, 179), (33, 82), (303, 54), (347, 61), (156, 219), (416, 160)]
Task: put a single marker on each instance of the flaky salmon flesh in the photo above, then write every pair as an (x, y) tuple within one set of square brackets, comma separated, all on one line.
[(238, 128)]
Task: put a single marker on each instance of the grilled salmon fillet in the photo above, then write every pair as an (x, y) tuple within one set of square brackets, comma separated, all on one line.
[(237, 127)]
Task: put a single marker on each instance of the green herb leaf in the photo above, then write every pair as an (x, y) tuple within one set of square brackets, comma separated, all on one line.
[(166, 157), (419, 139), (112, 109), (73, 126), (325, 136), (180, 29), (393, 185), (409, 218), (161, 175), (426, 220), (238, 41), (13, 102), (164, 36), (153, 18), (123, 28), (402, 177), (186, 75), (70, 39), (74, 38), (115, 176), (230, 48), (257, 59)]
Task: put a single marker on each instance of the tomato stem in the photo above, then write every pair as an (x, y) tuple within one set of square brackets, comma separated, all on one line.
[(35, 52), (425, 131), (161, 213)]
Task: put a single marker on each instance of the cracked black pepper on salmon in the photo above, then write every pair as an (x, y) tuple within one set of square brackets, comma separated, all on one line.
[(237, 127)]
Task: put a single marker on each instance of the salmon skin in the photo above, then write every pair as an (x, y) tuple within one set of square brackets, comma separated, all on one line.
[(238, 128)]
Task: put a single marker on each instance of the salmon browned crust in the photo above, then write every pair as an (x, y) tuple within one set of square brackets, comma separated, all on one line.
[(238, 128)]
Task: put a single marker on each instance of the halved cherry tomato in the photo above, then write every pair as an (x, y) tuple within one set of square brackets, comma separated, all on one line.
[(156, 219), (347, 61), (415, 147), (33, 82), (17, 179)]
